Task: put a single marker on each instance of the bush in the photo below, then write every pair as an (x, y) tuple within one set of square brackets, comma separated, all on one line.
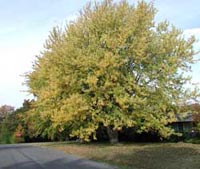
[(6, 137), (193, 140)]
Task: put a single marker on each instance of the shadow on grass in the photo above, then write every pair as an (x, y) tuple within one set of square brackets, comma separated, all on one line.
[(138, 156), (161, 157)]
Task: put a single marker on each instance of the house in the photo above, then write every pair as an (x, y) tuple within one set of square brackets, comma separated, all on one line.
[(184, 123)]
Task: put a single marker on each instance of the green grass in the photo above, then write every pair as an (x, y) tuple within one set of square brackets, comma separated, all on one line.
[(137, 156)]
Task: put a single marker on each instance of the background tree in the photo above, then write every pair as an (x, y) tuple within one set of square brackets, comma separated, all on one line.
[(15, 123), (5, 134), (5, 110), (113, 67), (196, 109)]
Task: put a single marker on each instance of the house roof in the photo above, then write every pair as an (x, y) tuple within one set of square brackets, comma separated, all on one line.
[(184, 117)]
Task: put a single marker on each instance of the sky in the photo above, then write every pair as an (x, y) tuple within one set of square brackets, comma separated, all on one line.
[(25, 25)]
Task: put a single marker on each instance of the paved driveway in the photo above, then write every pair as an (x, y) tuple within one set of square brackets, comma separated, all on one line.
[(24, 156)]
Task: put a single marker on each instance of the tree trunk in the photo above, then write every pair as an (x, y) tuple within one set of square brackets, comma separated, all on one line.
[(113, 135)]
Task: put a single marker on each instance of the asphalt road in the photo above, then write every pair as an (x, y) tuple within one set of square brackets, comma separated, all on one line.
[(24, 156)]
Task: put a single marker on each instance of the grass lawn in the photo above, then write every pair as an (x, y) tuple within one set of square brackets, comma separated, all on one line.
[(138, 156)]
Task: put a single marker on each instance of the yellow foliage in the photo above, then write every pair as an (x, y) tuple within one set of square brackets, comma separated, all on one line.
[(113, 66)]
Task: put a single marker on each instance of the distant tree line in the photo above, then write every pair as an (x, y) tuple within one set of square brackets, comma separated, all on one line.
[(16, 126)]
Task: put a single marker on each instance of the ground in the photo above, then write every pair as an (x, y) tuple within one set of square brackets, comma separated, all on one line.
[(138, 156), (26, 156)]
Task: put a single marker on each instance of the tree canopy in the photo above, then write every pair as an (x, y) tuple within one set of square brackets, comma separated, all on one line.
[(113, 66)]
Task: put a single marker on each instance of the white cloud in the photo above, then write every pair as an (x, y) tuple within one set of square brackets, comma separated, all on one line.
[(194, 31)]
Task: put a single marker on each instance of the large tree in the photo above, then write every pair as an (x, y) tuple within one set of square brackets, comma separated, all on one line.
[(113, 67)]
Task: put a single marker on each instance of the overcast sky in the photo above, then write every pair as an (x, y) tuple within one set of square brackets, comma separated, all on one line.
[(25, 24)]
